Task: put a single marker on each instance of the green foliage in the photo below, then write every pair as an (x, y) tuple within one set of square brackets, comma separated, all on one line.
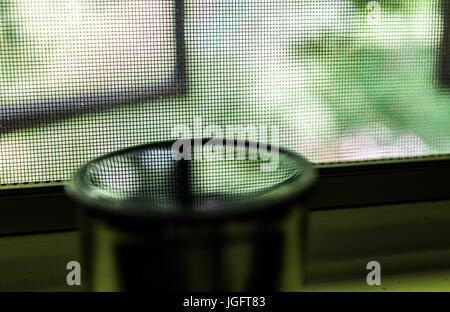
[(404, 6), (9, 36), (379, 78)]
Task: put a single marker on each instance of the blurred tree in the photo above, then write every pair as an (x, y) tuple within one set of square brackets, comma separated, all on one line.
[(9, 36), (387, 77), (404, 6)]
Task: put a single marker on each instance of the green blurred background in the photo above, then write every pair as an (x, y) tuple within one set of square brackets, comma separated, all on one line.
[(344, 80)]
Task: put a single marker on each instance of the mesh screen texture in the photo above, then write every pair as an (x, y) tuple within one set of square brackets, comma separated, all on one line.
[(337, 80)]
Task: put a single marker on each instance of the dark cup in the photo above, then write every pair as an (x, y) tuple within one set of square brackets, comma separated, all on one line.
[(152, 222)]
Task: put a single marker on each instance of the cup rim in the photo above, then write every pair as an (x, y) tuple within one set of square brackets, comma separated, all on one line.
[(274, 202)]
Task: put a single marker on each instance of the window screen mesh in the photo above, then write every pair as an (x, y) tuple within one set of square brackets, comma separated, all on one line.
[(340, 80)]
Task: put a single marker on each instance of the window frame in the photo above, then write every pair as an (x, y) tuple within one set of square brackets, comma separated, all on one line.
[(44, 207), (15, 118)]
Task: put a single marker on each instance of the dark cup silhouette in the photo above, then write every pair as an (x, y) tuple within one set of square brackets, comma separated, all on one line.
[(150, 222)]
